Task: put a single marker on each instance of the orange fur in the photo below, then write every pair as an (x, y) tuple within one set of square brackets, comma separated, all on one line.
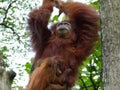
[(74, 49), (47, 74)]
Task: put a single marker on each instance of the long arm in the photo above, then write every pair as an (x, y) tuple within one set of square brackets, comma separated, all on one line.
[(84, 20), (80, 13), (37, 24)]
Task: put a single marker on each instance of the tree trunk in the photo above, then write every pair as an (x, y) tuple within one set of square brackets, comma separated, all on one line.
[(6, 77), (110, 26)]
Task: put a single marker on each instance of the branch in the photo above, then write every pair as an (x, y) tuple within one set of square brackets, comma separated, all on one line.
[(91, 78), (83, 83), (18, 37), (5, 16), (6, 11)]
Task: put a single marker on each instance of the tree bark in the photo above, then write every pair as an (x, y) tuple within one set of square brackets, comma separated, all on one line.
[(6, 78), (110, 26)]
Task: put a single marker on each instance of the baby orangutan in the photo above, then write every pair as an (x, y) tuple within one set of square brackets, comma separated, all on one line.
[(48, 76)]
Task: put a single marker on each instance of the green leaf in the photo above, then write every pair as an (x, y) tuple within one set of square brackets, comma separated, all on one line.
[(55, 18), (28, 67), (4, 49)]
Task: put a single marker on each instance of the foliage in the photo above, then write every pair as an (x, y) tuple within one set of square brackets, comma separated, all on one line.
[(28, 66), (15, 48), (3, 57), (94, 3), (90, 72)]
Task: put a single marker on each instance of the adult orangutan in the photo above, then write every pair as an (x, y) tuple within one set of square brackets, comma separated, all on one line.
[(72, 39)]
